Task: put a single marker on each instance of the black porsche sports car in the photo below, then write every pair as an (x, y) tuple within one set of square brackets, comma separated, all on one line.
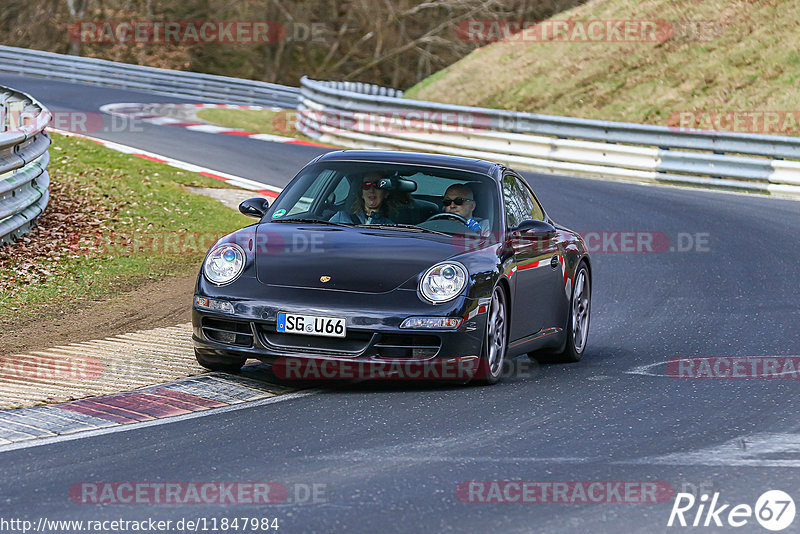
[(394, 260)]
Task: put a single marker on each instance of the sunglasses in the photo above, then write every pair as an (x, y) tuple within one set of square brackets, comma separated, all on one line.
[(366, 186), (459, 201)]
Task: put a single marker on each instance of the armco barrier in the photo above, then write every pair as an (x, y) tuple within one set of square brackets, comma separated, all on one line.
[(189, 85), (24, 182), (369, 116)]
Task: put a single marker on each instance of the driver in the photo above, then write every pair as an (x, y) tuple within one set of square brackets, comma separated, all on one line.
[(460, 200), (370, 206)]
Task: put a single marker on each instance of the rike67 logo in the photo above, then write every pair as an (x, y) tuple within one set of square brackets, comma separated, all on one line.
[(774, 510)]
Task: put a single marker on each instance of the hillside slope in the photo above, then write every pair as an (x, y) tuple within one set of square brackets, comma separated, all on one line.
[(721, 55)]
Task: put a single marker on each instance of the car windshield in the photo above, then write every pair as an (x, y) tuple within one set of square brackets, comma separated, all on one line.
[(405, 197)]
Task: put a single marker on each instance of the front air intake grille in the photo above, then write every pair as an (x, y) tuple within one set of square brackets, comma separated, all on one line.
[(407, 346), (228, 332), (353, 344)]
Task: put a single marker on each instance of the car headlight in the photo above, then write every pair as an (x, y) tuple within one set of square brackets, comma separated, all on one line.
[(443, 282), (224, 264)]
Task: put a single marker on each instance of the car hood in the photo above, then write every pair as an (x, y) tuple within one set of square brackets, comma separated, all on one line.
[(352, 259)]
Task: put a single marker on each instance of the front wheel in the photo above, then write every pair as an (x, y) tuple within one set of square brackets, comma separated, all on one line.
[(495, 341), (230, 364), (578, 322)]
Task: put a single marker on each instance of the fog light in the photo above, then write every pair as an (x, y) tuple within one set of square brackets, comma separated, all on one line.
[(432, 322), (213, 304), (225, 337)]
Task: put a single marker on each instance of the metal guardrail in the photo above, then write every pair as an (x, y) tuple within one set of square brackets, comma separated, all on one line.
[(368, 116), (190, 85), (24, 181)]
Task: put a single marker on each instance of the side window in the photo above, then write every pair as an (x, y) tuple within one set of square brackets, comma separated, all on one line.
[(517, 200), (537, 213), (341, 191), (319, 184)]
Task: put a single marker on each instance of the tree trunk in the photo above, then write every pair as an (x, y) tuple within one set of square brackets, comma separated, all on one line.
[(77, 9)]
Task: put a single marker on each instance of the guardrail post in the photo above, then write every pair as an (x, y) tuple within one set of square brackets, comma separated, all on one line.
[(14, 114)]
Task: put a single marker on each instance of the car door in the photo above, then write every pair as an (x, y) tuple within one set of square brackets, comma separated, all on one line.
[(554, 291), (536, 265)]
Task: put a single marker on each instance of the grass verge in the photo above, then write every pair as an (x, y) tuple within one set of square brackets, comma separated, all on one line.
[(114, 222)]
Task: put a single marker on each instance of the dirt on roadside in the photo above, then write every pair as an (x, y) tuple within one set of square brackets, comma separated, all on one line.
[(137, 305), (159, 303)]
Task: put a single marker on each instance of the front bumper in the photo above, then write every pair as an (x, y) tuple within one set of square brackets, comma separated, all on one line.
[(373, 328)]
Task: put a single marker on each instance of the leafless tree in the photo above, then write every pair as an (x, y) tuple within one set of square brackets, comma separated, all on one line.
[(77, 10), (389, 42)]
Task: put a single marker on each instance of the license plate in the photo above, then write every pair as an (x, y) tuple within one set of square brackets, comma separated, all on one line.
[(311, 325)]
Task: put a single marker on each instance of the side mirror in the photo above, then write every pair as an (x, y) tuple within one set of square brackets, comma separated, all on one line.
[(254, 207), (538, 228)]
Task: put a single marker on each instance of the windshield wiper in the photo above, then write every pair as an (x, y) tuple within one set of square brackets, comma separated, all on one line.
[(312, 221), (410, 227)]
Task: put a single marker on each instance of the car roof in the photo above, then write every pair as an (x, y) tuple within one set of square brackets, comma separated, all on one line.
[(413, 158)]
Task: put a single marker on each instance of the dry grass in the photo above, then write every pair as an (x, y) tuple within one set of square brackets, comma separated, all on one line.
[(746, 58)]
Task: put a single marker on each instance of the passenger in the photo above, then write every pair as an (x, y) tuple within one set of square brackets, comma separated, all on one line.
[(460, 200), (370, 206)]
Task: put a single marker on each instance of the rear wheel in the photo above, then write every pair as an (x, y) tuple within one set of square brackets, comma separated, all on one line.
[(495, 341), (228, 364), (578, 322)]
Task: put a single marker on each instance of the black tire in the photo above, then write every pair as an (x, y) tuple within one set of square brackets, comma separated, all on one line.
[(580, 307), (228, 364), (495, 340)]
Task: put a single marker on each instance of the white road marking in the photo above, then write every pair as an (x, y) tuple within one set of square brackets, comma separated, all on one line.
[(163, 120), (270, 137), (758, 450), (646, 369), (206, 128)]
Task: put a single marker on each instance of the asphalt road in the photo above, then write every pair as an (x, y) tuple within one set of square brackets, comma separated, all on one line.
[(390, 457), (241, 157)]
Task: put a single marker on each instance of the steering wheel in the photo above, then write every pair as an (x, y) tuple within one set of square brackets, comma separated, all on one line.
[(444, 215)]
